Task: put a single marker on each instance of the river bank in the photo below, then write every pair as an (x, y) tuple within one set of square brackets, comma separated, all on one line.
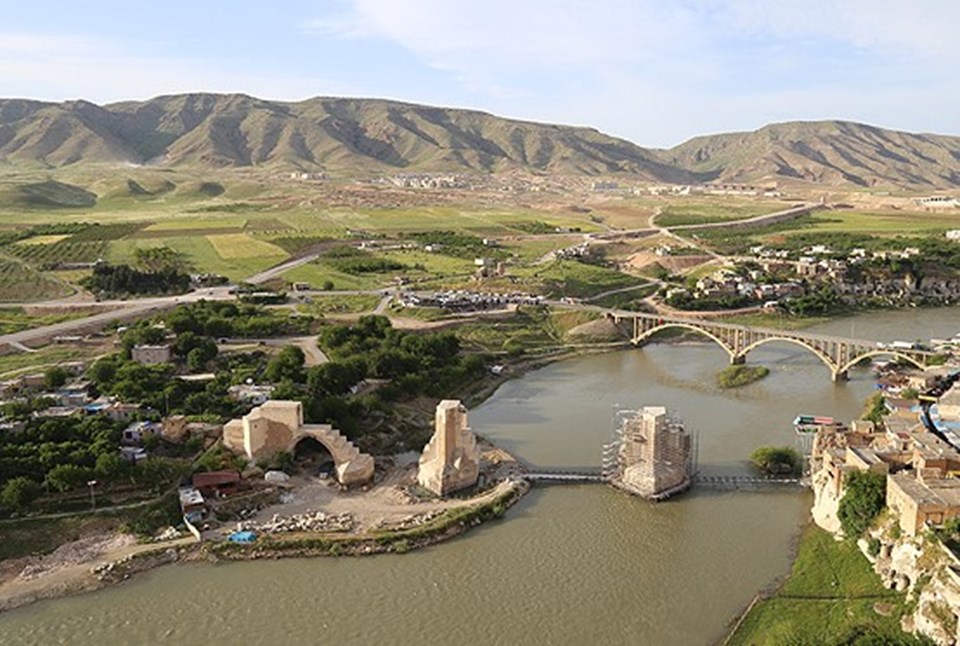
[(831, 596), (121, 557)]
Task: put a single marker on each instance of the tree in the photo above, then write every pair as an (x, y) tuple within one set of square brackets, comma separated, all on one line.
[(112, 467), (68, 476), (156, 473), (865, 494), (875, 409), (777, 460), (288, 364), (196, 359), (103, 371), (19, 493), (55, 377)]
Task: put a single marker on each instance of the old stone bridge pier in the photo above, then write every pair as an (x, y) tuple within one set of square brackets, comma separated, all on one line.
[(838, 353)]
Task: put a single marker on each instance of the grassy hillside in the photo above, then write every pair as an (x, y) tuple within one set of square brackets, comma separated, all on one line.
[(340, 136), (823, 152)]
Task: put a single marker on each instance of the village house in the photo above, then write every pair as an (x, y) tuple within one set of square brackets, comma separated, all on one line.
[(217, 484), (152, 355), (192, 504), (250, 393), (121, 412), (921, 470), (949, 404), (136, 433)]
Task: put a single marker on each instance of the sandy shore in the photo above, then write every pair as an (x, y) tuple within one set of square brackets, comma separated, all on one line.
[(74, 567)]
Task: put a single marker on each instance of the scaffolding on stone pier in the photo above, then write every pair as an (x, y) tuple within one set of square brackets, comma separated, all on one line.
[(662, 458)]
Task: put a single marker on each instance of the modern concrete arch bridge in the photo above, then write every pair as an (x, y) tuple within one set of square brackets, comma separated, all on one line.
[(838, 353)]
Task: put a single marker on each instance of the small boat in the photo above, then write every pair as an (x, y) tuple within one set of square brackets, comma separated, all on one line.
[(811, 423)]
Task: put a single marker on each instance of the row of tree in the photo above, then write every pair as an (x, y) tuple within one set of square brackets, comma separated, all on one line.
[(119, 280)]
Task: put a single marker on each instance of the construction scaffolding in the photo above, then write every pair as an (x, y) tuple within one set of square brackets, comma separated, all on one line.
[(650, 453)]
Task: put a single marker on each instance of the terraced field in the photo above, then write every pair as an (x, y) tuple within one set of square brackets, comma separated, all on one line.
[(20, 283), (231, 246)]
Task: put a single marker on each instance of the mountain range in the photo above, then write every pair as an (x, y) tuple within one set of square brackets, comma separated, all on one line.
[(344, 136)]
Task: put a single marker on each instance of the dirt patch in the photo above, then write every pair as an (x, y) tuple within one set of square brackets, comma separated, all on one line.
[(79, 551), (673, 264), (394, 500), (602, 328), (80, 566)]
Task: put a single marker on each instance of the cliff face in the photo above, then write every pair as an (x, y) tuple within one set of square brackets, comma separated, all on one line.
[(826, 502), (921, 567), (929, 573)]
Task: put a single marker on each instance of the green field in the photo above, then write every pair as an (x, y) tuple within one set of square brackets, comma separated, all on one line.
[(12, 365), (682, 213), (225, 222), (884, 222), (20, 283), (829, 598), (240, 223), (15, 319), (233, 246), (43, 240), (341, 304)]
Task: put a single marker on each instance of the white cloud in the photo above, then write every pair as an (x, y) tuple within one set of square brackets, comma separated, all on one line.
[(531, 33), (56, 67), (661, 71), (925, 28)]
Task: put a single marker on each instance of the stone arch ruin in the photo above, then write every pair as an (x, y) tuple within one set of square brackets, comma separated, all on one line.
[(278, 425)]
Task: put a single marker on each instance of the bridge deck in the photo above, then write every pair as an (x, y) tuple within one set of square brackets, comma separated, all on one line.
[(560, 477), (564, 477)]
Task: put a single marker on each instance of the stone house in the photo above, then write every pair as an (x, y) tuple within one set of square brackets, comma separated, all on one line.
[(152, 355)]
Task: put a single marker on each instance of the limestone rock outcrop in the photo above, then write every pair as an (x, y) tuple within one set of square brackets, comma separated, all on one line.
[(450, 461)]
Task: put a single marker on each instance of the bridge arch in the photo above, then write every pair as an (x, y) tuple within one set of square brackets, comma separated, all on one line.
[(882, 353), (820, 355), (640, 338)]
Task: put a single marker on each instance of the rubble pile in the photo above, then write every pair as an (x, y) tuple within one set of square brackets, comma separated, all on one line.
[(409, 522), (307, 522)]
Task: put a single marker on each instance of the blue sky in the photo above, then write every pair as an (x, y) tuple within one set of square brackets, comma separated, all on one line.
[(653, 71)]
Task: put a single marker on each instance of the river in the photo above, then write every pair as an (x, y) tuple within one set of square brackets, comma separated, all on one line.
[(569, 564)]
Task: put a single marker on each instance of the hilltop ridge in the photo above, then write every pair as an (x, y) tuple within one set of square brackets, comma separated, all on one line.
[(357, 136)]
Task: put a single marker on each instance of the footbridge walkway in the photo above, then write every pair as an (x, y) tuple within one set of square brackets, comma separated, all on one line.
[(699, 479), (838, 353)]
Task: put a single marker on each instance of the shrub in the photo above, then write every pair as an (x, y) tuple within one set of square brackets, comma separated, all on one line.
[(19, 493), (774, 460), (863, 499)]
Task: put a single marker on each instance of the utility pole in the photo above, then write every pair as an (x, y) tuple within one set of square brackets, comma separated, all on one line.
[(93, 500)]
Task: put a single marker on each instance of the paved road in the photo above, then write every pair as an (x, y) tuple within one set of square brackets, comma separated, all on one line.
[(282, 268), (121, 311)]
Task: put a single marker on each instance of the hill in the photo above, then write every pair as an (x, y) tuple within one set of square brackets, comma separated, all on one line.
[(336, 135), (823, 152)]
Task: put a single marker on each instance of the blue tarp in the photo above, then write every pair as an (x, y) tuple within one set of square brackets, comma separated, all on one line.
[(242, 537)]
